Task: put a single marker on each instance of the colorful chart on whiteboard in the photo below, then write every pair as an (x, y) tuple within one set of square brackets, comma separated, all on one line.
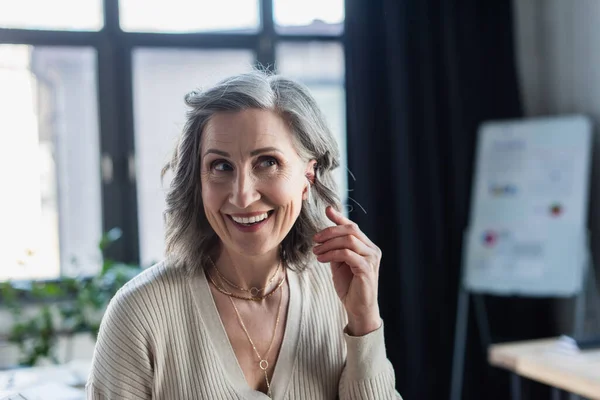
[(528, 221)]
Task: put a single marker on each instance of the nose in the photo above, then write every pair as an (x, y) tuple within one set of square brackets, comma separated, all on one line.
[(244, 191)]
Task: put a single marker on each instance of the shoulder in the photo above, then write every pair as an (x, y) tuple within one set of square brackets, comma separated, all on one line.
[(153, 289), (125, 349), (158, 275), (160, 279)]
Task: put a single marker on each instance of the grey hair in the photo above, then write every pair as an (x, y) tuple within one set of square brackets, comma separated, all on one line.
[(189, 237)]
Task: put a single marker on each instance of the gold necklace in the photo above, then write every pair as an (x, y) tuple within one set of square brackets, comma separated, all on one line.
[(254, 291), (257, 298), (263, 363)]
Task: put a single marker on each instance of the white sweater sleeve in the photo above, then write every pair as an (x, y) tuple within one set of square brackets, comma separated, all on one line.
[(368, 374)]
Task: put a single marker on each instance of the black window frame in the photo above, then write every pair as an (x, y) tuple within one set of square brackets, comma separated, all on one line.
[(114, 48)]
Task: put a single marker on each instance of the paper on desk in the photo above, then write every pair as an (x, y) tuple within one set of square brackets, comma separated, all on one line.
[(52, 391), (10, 396), (566, 344)]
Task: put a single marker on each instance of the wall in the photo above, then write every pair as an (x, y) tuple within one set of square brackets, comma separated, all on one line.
[(558, 63)]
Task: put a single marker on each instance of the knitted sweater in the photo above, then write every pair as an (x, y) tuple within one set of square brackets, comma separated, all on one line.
[(162, 338)]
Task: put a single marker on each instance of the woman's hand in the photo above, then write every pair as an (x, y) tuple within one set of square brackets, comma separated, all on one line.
[(354, 263)]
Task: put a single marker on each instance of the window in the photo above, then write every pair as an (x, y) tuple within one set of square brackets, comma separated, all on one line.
[(81, 140), (48, 160), (68, 15), (189, 15), (309, 16)]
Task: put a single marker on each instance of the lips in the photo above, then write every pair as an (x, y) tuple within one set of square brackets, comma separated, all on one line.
[(250, 222)]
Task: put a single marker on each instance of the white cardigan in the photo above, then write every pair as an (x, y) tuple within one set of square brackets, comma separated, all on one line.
[(162, 338)]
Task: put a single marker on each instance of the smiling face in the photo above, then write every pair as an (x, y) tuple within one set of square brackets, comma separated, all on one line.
[(253, 180)]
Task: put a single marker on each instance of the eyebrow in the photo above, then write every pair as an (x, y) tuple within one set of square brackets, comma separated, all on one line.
[(252, 153)]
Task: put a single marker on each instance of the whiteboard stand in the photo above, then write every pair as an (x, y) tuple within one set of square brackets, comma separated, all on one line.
[(587, 293)]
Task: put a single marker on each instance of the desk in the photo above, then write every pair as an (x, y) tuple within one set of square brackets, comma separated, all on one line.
[(550, 362), (55, 382)]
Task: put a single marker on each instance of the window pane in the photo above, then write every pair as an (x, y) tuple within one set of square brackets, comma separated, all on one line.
[(72, 15), (161, 79), (50, 211), (309, 16), (320, 66), (239, 16)]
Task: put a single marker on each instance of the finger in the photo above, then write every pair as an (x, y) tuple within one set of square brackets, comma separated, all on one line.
[(343, 242), (356, 262), (336, 217), (342, 230)]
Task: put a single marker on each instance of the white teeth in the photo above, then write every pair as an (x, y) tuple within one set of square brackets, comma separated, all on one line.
[(250, 220)]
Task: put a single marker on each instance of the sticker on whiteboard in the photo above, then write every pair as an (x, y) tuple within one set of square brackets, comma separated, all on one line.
[(498, 190), (556, 210), (489, 238)]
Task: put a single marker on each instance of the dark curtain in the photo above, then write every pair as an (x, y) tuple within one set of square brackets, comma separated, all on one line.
[(421, 76)]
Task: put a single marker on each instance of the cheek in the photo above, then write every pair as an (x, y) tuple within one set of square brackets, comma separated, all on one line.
[(212, 196), (285, 192)]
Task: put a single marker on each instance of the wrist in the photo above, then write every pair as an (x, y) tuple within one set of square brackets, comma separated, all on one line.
[(360, 326)]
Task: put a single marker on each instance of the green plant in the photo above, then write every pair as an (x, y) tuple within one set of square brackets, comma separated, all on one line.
[(63, 307)]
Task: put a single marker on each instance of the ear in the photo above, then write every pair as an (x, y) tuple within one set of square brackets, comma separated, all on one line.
[(310, 171)]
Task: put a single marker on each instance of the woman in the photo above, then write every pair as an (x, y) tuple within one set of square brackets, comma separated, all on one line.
[(244, 305)]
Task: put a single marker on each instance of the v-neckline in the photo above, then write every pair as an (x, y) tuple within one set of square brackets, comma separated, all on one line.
[(218, 336)]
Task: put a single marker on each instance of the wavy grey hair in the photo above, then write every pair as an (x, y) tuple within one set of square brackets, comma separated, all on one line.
[(189, 238)]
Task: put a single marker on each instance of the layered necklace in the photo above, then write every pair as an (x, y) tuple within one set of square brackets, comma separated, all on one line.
[(263, 362), (258, 297), (254, 291)]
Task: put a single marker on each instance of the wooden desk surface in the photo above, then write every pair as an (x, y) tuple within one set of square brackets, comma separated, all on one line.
[(549, 362)]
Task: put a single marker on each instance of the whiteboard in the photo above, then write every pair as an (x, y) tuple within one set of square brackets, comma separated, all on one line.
[(528, 218)]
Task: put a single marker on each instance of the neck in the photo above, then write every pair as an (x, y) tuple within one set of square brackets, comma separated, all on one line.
[(248, 271)]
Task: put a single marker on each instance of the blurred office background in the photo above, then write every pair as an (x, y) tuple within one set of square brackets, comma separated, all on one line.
[(91, 102)]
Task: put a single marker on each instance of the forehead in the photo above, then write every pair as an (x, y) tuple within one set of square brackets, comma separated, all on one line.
[(246, 130)]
